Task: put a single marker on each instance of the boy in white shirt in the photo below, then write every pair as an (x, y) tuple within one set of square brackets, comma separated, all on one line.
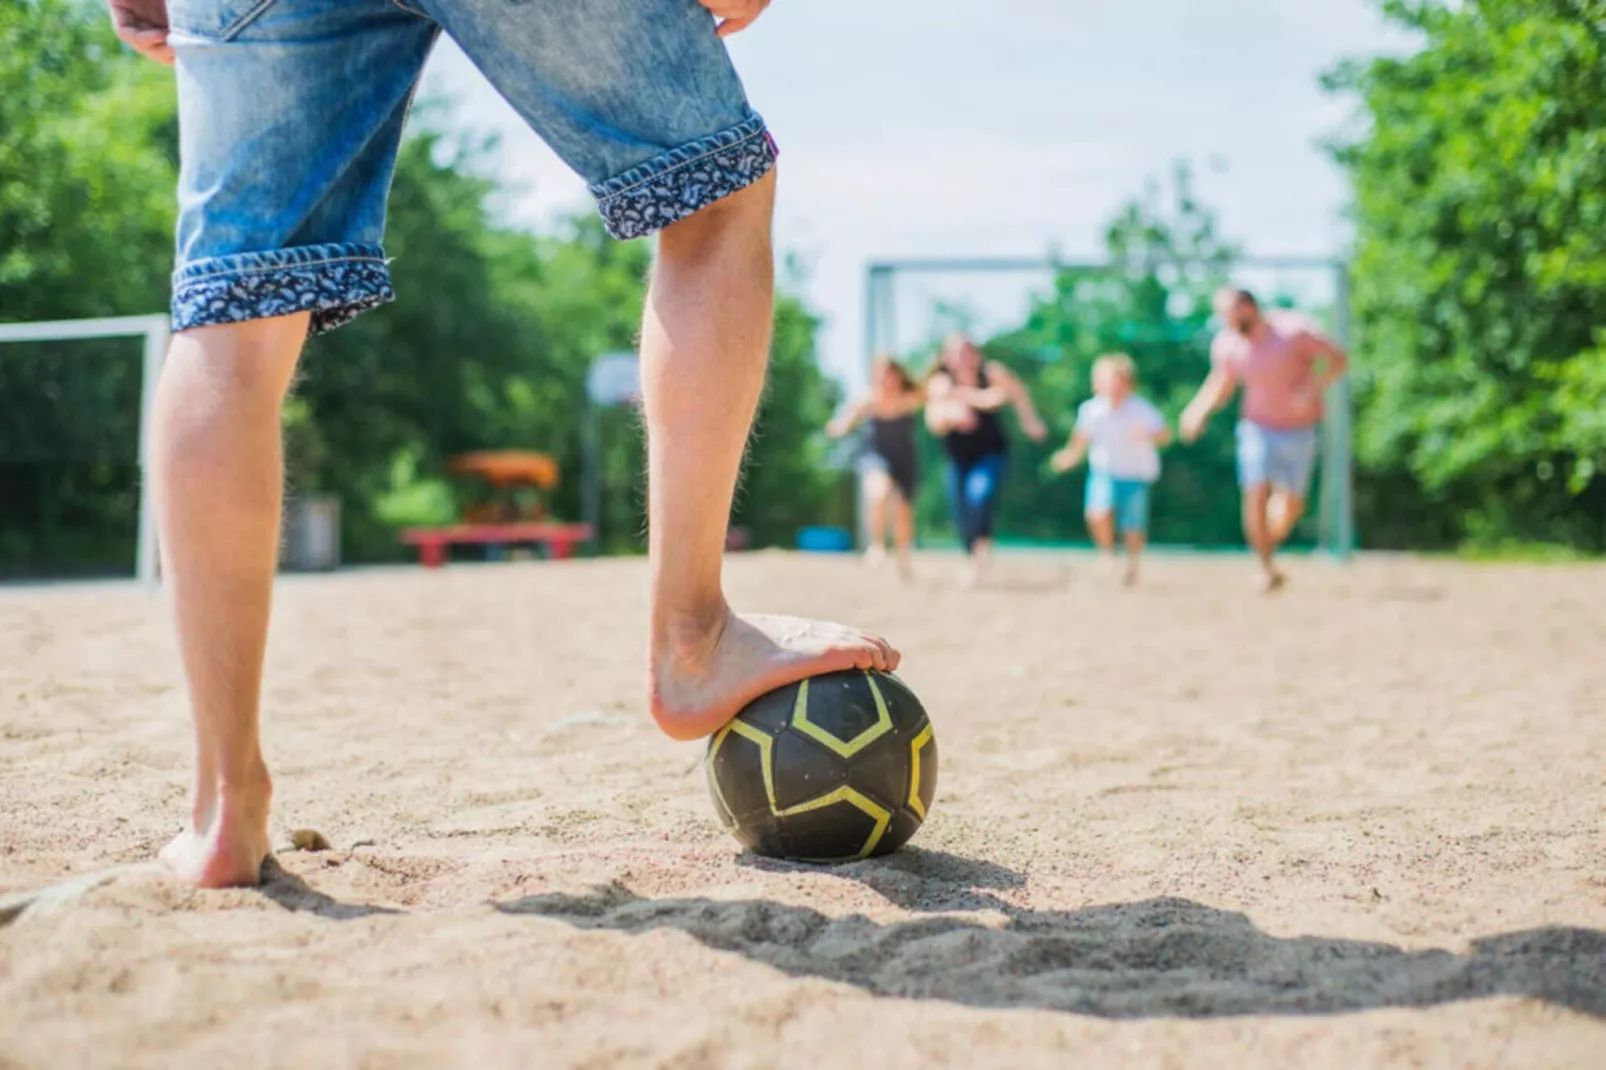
[(1120, 434)]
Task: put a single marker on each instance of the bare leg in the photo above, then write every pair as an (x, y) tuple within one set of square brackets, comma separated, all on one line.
[(903, 534), (978, 563), (1283, 510), (876, 488), (1135, 541), (1256, 530), (1102, 527), (218, 483), (703, 348)]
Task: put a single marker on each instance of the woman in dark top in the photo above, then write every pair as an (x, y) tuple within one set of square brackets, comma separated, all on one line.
[(965, 396), (891, 472)]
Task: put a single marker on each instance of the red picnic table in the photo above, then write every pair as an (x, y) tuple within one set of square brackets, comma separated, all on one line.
[(559, 539)]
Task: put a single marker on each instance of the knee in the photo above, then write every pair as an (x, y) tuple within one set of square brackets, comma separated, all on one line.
[(230, 372), (743, 216)]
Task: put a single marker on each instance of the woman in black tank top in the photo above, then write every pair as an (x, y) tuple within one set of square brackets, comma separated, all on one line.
[(890, 470), (965, 398)]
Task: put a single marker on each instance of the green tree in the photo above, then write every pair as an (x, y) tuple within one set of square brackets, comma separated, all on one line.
[(1480, 273)]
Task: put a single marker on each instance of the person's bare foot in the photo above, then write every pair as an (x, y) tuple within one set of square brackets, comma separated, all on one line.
[(1110, 570), (227, 840), (1271, 580), (876, 555), (701, 673)]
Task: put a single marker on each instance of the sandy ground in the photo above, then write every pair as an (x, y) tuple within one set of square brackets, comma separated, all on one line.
[(1357, 825)]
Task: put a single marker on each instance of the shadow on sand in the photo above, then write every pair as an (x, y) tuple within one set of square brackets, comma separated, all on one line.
[(292, 893), (1156, 958)]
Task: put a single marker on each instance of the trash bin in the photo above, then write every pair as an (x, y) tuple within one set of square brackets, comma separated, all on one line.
[(311, 534), (821, 540)]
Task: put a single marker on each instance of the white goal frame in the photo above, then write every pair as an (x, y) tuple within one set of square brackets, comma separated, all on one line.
[(154, 329)]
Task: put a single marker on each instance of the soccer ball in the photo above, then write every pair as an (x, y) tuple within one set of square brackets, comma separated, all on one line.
[(833, 768)]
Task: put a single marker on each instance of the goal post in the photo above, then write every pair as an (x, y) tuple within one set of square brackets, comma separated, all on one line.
[(154, 330), (888, 327)]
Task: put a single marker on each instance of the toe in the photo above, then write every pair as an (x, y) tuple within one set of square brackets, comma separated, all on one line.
[(880, 652)]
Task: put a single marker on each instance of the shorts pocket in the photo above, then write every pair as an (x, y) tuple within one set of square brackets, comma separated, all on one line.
[(215, 20)]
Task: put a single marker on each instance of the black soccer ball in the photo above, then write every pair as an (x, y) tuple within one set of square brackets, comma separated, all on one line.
[(833, 768)]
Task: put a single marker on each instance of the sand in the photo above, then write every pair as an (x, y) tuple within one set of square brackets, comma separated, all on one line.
[(1360, 824)]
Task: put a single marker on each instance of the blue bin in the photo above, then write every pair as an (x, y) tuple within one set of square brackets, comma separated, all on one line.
[(825, 541)]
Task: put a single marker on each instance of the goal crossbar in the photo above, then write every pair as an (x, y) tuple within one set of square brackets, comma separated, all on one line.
[(154, 330)]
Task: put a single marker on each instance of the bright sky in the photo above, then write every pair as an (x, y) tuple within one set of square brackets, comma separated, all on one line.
[(953, 127)]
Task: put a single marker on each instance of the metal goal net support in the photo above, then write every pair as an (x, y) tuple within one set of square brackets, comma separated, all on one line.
[(57, 409)]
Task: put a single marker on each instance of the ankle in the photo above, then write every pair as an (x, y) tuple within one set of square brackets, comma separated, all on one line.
[(690, 629), (251, 785)]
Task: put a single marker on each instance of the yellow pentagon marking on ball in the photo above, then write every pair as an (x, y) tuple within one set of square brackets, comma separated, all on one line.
[(845, 794), (766, 753), (914, 770), (883, 724)]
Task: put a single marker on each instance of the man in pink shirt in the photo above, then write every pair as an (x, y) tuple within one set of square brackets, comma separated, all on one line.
[(1284, 365)]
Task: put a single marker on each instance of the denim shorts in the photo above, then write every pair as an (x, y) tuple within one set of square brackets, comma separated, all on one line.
[(291, 113), (1127, 500), (1282, 459)]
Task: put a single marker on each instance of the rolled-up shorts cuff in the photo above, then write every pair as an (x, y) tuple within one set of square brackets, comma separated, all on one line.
[(334, 282), (685, 180)]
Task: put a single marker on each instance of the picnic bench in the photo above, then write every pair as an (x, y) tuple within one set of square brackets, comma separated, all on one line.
[(558, 539)]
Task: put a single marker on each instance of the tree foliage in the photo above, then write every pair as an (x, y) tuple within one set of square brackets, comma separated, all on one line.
[(487, 345), (1480, 271)]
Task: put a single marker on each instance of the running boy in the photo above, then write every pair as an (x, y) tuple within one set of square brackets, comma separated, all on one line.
[(1120, 434)]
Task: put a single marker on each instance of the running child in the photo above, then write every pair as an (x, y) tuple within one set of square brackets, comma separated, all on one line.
[(1120, 434)]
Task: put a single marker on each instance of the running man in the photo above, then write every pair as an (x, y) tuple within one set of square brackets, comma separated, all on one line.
[(1284, 365), (1120, 434), (891, 464), (290, 115), (964, 396)]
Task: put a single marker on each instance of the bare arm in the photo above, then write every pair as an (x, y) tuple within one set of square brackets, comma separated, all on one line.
[(984, 399), (1016, 394), (1073, 454), (945, 413), (849, 419), (1217, 390), (1335, 362)]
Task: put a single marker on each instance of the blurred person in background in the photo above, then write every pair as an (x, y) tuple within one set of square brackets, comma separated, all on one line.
[(890, 464), (1120, 434), (965, 396), (1284, 366)]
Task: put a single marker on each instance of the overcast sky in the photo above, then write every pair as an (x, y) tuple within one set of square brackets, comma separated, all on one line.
[(950, 127)]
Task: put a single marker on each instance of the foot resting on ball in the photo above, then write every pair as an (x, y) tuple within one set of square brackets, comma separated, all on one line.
[(703, 671)]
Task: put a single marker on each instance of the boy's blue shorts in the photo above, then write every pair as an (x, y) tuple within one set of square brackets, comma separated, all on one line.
[(1127, 500)]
